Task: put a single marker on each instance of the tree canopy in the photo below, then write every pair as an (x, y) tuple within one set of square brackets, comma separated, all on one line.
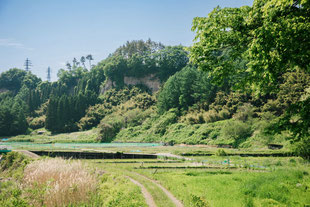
[(272, 36)]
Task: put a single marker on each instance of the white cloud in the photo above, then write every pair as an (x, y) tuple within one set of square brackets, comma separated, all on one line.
[(7, 42)]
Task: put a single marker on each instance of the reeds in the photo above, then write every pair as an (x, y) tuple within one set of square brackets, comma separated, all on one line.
[(58, 182)]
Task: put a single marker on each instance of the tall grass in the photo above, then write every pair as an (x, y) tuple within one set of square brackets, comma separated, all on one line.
[(58, 182)]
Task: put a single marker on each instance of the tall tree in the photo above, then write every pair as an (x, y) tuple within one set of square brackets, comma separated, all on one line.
[(83, 61), (74, 61), (89, 58), (265, 35), (273, 37), (69, 67)]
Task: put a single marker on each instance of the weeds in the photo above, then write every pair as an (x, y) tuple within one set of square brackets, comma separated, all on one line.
[(58, 182)]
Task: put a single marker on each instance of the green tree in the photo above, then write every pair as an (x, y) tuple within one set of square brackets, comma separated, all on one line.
[(83, 61), (74, 61), (89, 58), (272, 38), (265, 35), (185, 88)]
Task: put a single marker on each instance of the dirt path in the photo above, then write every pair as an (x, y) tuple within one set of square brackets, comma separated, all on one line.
[(28, 153), (169, 155), (148, 197), (176, 202)]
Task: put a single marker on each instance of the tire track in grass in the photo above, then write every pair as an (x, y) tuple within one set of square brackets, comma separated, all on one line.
[(148, 197), (28, 153), (176, 202)]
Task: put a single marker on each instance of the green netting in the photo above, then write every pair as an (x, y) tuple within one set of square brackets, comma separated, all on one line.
[(20, 145)]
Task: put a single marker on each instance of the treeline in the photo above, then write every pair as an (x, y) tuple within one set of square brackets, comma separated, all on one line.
[(59, 106), (26, 100), (64, 112)]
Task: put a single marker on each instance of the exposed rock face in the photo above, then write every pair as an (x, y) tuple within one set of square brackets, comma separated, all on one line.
[(151, 81), (3, 90), (107, 86)]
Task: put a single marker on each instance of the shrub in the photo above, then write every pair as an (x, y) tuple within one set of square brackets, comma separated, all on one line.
[(13, 163), (108, 131), (38, 122), (198, 201), (245, 112), (211, 116), (302, 147), (237, 131), (224, 114), (220, 152), (193, 117)]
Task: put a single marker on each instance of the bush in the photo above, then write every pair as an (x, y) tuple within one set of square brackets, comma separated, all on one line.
[(245, 112), (13, 163), (108, 132), (237, 131), (220, 152), (211, 116), (302, 147), (198, 201), (38, 122)]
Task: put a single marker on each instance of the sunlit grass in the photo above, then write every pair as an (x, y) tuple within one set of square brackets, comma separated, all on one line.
[(58, 182)]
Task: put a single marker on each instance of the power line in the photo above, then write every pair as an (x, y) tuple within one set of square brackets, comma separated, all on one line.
[(27, 64), (49, 74)]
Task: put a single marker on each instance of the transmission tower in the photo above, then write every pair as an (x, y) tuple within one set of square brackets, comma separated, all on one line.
[(49, 74), (27, 64)]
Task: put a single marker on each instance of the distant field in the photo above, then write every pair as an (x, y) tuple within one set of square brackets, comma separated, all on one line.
[(46, 137)]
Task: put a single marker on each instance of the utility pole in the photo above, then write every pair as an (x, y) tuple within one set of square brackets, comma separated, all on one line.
[(27, 65), (49, 74)]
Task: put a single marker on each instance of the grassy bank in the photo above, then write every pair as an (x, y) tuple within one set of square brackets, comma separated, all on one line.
[(88, 136)]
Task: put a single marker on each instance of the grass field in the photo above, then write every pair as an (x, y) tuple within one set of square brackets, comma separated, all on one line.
[(198, 181), (256, 181)]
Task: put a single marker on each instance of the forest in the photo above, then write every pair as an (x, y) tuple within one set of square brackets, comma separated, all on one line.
[(245, 82)]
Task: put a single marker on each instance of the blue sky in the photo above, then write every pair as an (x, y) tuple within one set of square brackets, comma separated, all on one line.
[(52, 32)]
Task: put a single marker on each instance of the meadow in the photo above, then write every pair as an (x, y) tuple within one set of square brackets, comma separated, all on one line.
[(194, 181), (252, 181)]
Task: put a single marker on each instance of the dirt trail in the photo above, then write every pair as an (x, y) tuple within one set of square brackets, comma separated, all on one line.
[(169, 155), (176, 202), (28, 153), (148, 197)]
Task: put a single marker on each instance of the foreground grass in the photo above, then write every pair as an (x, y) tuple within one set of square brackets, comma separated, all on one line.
[(266, 181), (116, 190), (58, 182), (280, 181), (125, 169), (285, 184)]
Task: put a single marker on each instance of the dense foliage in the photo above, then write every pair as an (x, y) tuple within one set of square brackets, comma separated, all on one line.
[(186, 88), (139, 59), (265, 36), (247, 85)]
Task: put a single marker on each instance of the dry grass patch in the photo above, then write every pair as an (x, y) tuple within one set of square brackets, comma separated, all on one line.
[(58, 182)]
